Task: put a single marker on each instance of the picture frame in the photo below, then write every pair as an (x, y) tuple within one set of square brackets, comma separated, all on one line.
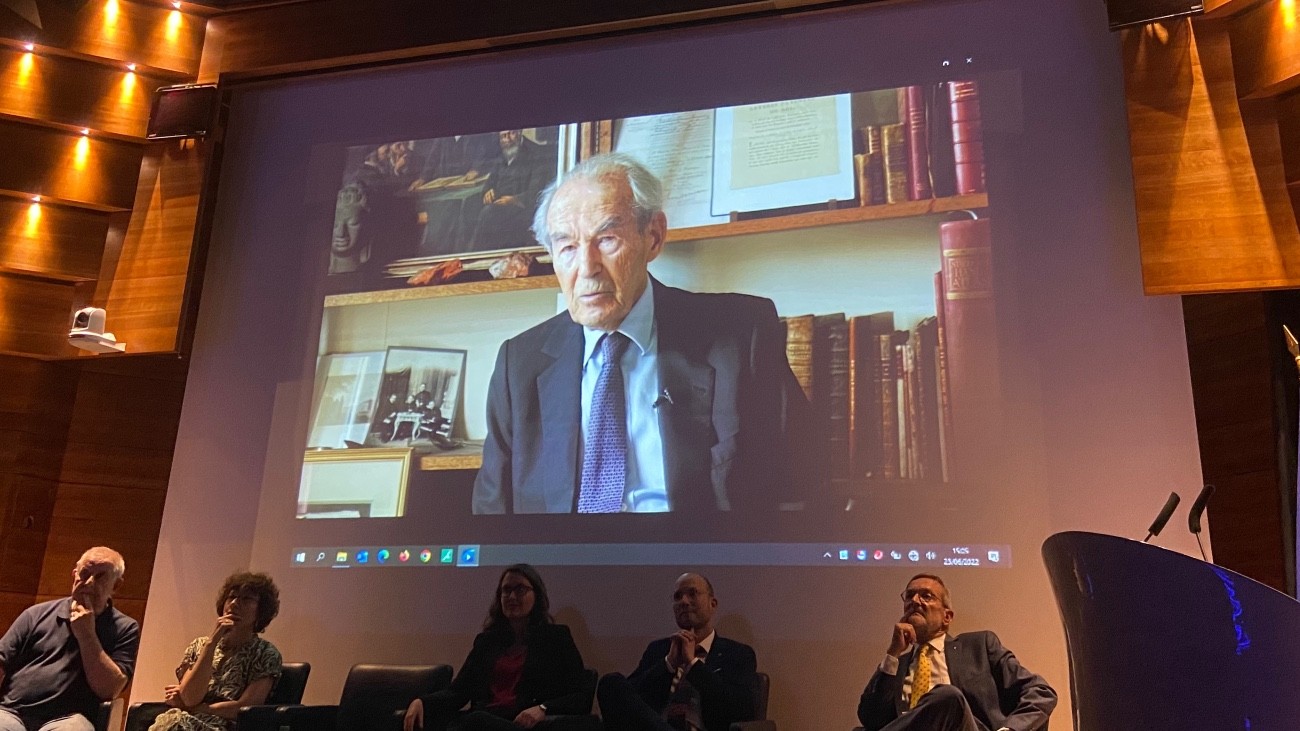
[(418, 398), (407, 205), (354, 483), (343, 405)]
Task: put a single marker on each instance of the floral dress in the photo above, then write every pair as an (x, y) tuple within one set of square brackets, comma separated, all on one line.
[(231, 674)]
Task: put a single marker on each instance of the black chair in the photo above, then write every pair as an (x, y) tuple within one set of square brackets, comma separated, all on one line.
[(373, 698), (579, 722), (762, 687), (109, 714), (288, 690)]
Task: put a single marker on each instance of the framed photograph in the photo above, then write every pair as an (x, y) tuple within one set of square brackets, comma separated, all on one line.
[(419, 395), (354, 483), (344, 405), (406, 205)]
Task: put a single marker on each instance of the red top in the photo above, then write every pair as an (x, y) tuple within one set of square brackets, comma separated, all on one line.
[(505, 676)]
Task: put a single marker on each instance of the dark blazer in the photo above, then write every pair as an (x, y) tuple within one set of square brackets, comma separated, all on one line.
[(552, 674), (725, 681), (727, 432), (1000, 691)]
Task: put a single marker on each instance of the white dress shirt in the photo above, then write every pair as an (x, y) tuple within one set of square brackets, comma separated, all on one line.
[(646, 489)]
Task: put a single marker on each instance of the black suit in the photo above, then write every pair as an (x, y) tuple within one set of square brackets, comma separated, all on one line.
[(552, 675), (725, 682), (726, 434), (997, 689)]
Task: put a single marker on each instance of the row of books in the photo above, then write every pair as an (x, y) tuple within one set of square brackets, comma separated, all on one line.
[(936, 150), (879, 394)]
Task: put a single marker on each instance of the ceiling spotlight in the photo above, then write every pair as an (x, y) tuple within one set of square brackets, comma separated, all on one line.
[(85, 131), (29, 46), (130, 67), (176, 4), (36, 199)]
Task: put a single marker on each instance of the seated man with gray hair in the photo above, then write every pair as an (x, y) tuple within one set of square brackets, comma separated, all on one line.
[(641, 397), (63, 657)]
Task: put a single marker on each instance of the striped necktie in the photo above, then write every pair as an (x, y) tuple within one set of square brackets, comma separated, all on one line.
[(921, 676), (604, 453)]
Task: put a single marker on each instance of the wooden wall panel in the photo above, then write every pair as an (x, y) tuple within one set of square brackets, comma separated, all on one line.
[(143, 280), (1235, 389), (1212, 208), (60, 90), (117, 30), (66, 166), (35, 316), (34, 418), (120, 438), (60, 241), (1266, 49)]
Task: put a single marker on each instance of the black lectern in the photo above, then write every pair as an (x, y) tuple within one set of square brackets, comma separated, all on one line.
[(1159, 640)]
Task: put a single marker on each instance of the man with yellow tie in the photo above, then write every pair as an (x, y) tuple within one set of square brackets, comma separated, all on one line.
[(930, 681)]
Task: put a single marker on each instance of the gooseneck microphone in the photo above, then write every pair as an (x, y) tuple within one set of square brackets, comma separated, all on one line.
[(1194, 516), (1158, 524)]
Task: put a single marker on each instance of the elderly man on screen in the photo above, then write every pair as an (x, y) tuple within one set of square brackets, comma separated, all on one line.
[(61, 658), (929, 681), (641, 397)]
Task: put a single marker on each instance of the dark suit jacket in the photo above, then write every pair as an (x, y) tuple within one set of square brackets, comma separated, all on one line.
[(727, 432), (725, 681), (999, 690), (552, 674)]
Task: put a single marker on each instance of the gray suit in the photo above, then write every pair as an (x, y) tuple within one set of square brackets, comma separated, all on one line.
[(998, 690), (734, 403)]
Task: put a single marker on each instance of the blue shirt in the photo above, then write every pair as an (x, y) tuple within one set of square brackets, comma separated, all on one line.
[(646, 490), (44, 677)]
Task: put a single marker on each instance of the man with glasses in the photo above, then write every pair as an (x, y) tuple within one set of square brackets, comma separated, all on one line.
[(60, 658), (691, 680), (929, 680)]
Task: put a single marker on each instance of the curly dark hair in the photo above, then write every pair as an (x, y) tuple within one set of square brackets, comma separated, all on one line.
[(541, 614), (268, 596)]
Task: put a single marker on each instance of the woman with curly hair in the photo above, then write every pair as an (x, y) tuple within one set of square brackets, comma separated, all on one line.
[(522, 669), (230, 668)]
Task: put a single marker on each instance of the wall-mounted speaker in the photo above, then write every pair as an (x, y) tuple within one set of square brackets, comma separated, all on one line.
[(1125, 13), (186, 110)]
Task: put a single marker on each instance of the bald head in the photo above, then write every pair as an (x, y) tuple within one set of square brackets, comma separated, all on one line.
[(694, 604), (96, 576)]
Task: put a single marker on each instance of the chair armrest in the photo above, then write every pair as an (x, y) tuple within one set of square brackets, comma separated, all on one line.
[(142, 715), (261, 718), (753, 726), (308, 718)]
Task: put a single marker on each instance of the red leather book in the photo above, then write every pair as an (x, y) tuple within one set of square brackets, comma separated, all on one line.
[(969, 321), (968, 136), (918, 145)]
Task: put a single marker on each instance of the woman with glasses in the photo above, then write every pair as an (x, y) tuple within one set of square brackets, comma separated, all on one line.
[(230, 668), (523, 667)]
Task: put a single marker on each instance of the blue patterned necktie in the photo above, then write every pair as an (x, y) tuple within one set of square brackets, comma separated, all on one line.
[(604, 455)]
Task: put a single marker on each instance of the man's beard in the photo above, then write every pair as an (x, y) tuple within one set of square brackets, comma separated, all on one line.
[(510, 152)]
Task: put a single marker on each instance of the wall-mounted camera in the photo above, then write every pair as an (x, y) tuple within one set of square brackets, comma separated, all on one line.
[(88, 333)]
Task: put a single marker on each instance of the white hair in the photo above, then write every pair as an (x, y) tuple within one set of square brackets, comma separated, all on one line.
[(106, 554), (647, 191)]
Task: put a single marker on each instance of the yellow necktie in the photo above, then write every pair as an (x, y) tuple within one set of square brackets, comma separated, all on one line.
[(920, 678)]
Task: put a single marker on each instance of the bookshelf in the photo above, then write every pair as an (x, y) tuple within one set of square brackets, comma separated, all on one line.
[(774, 224)]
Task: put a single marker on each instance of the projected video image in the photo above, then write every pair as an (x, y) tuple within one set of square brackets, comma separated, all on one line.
[(859, 357)]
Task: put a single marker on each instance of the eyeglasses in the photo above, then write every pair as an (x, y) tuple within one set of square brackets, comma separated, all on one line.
[(924, 595), (515, 590)]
